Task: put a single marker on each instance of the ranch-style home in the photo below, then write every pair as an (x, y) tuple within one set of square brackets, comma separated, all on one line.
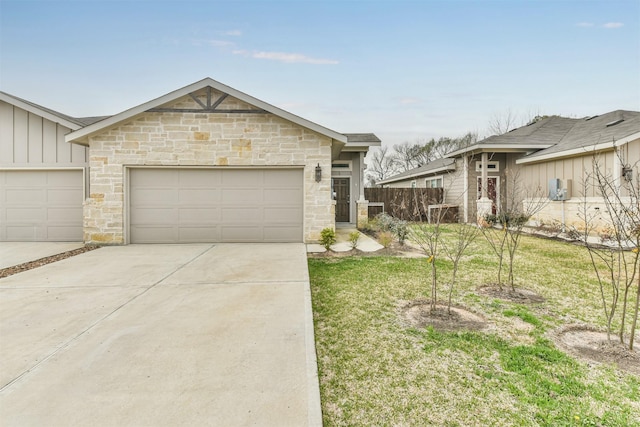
[(553, 153), (204, 163)]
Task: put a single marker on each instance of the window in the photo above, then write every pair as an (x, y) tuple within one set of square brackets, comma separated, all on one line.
[(492, 166), (341, 165), (435, 182), (413, 184)]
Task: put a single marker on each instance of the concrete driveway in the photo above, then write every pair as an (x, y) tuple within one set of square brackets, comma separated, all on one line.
[(150, 335)]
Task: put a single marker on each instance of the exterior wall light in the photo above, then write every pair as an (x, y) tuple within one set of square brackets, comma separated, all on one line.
[(627, 173), (318, 173)]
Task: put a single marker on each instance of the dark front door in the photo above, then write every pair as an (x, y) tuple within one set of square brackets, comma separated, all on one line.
[(341, 190)]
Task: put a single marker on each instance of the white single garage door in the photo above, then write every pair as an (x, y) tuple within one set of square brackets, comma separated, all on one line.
[(41, 205), (183, 205)]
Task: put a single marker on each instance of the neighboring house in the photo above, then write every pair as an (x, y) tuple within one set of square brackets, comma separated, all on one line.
[(205, 163), (475, 177), (42, 178)]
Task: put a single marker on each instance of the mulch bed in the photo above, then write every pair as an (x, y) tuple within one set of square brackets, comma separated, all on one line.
[(9, 271)]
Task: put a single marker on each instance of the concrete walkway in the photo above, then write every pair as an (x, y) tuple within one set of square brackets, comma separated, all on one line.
[(161, 335), (15, 253)]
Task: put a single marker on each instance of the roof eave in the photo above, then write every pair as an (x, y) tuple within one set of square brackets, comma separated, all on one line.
[(360, 146), (42, 113), (580, 151), (81, 136), (498, 148), (450, 167)]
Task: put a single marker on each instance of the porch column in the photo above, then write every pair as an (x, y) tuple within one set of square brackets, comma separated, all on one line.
[(484, 203), (362, 205), (466, 190)]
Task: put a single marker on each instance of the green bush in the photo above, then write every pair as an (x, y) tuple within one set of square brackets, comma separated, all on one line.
[(354, 236), (327, 237), (385, 238)]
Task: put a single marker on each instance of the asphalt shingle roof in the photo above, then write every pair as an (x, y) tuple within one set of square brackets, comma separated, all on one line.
[(587, 132)]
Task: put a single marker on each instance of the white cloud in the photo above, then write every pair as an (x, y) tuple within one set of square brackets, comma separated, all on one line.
[(613, 25), (584, 24), (234, 33), (289, 58), (409, 101)]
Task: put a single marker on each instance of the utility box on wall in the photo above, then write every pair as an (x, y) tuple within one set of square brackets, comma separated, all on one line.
[(557, 191)]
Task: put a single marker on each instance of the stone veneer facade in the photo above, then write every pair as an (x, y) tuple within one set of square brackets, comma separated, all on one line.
[(202, 139)]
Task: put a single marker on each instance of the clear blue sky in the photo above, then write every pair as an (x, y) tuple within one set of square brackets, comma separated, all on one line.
[(401, 69)]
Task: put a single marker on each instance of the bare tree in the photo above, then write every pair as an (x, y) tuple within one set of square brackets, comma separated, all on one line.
[(504, 229), (455, 247), (381, 166), (616, 257), (408, 156), (430, 238), (501, 123)]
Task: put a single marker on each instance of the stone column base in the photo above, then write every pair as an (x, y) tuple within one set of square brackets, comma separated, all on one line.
[(363, 213), (484, 208)]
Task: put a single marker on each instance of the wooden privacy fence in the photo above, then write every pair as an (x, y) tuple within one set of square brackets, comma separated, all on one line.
[(410, 204)]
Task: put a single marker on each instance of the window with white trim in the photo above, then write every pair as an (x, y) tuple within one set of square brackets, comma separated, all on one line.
[(413, 184), (492, 166), (342, 165), (434, 182)]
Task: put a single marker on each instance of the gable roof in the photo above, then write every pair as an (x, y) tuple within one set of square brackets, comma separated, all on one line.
[(49, 114), (539, 135), (81, 136), (435, 166), (361, 141), (592, 133)]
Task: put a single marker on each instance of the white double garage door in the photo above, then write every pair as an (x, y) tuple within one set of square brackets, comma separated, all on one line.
[(164, 205)]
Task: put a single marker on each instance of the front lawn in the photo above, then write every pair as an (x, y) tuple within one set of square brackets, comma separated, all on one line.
[(377, 370)]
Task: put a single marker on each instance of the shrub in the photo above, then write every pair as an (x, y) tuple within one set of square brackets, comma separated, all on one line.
[(385, 238), (354, 236), (327, 237), (401, 229), (384, 222)]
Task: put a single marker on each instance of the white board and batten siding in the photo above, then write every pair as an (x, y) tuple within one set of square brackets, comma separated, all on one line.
[(41, 178), (189, 205)]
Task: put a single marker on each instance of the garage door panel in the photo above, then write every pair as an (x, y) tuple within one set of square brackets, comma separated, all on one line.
[(288, 196), (25, 197), (166, 180), (21, 216), (242, 196), (281, 234), (63, 178), (242, 178), (63, 215), (199, 234), (241, 233), (63, 196), (209, 216), (200, 195), (154, 215), (281, 178), (281, 215), (250, 214), (199, 178), (216, 205), (25, 179), (62, 232), (158, 195), (19, 234)]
